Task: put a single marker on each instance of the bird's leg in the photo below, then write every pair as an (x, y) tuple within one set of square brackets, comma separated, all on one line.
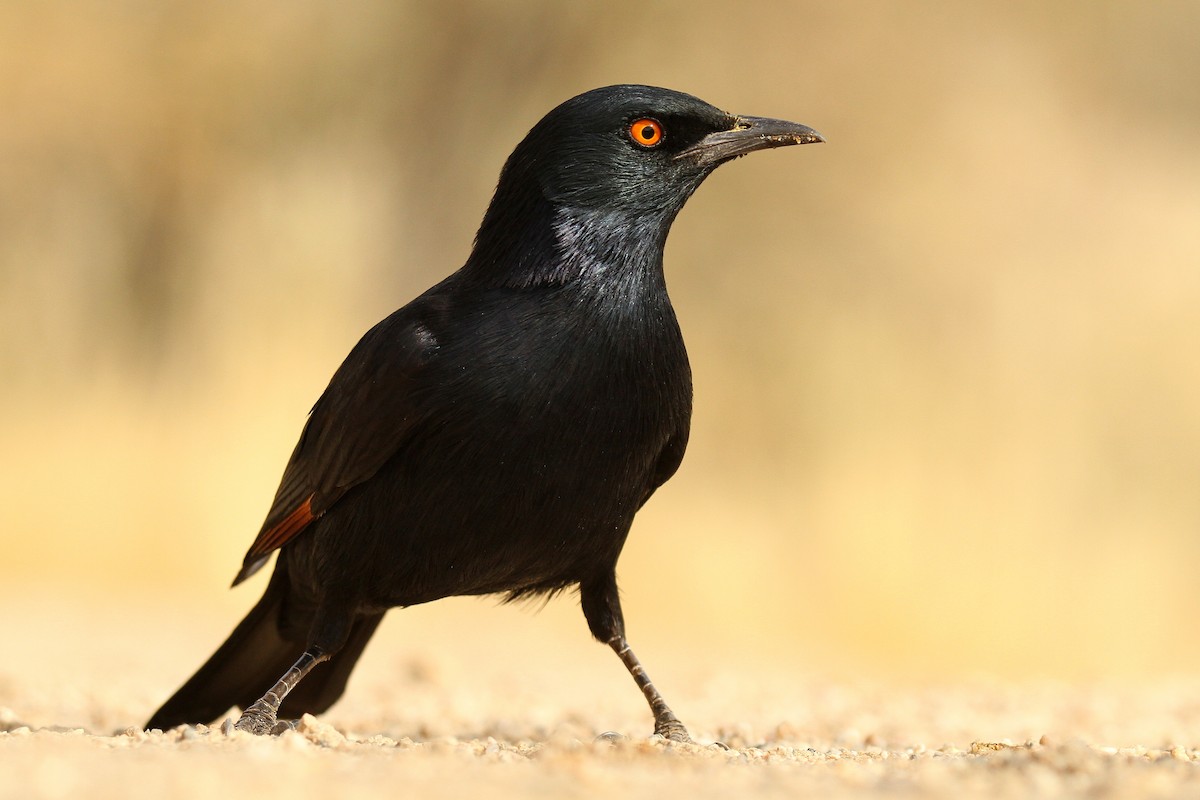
[(262, 716), (602, 608), (666, 724)]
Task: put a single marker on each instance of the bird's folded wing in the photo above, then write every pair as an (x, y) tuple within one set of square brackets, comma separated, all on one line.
[(359, 422)]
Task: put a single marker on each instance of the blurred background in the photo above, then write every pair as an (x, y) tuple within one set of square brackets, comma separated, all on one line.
[(947, 366)]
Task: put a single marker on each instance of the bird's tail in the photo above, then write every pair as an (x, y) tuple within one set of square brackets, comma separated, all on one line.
[(256, 655)]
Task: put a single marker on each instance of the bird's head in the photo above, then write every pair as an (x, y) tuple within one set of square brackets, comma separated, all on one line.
[(639, 148), (629, 154)]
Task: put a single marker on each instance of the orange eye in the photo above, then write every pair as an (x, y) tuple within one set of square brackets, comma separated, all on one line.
[(646, 132)]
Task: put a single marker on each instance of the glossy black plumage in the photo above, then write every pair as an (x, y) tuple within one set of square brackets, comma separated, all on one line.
[(498, 433)]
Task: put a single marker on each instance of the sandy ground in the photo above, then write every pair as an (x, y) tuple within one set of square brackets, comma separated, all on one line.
[(442, 708)]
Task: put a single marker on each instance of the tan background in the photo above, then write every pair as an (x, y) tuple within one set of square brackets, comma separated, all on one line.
[(947, 377)]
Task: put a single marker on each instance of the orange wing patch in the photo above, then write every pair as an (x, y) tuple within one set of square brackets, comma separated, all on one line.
[(276, 537)]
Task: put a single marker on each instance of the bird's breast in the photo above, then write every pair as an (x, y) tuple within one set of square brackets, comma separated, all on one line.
[(567, 379), (543, 428)]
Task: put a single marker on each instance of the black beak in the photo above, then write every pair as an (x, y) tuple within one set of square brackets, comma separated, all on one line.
[(747, 135)]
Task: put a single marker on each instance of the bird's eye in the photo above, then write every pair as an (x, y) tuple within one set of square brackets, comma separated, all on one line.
[(646, 132)]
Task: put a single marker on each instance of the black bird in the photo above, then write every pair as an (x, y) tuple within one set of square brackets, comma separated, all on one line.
[(498, 433)]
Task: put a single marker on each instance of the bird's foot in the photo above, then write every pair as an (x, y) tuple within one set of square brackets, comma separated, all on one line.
[(260, 719), (672, 730)]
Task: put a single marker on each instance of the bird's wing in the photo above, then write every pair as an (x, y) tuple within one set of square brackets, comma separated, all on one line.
[(358, 423)]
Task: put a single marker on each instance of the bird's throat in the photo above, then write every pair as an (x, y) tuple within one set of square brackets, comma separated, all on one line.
[(609, 247)]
